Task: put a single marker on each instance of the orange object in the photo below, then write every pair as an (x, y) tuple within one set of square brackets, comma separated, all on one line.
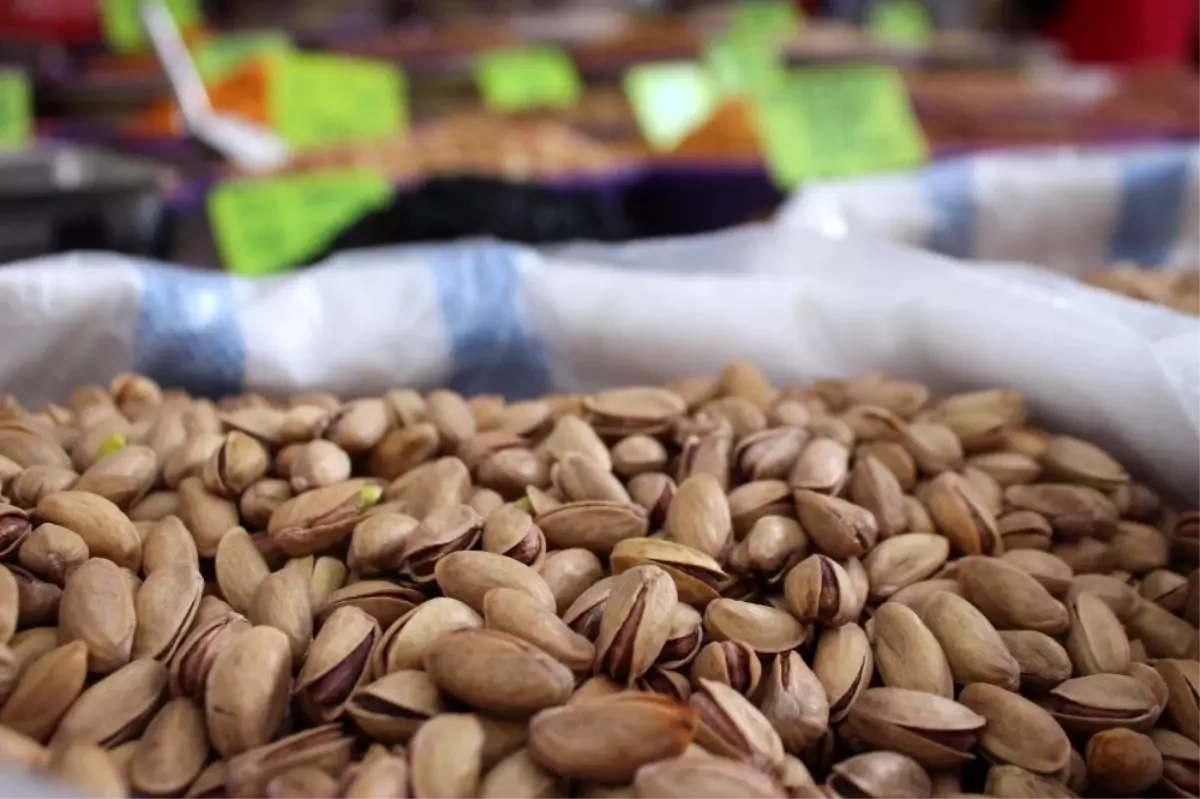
[(730, 132), (245, 93)]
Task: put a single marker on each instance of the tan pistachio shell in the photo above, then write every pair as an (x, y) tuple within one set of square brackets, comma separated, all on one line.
[(497, 672), (469, 576), (907, 653), (764, 629), (105, 529), (698, 578), (902, 560), (1043, 661), (844, 664), (931, 729), (1009, 597), (973, 648), (699, 517), (609, 739), (517, 613), (45, 691), (117, 708), (1018, 732), (166, 604), (246, 693), (172, 751), (794, 701), (97, 607), (404, 644), (392, 708), (337, 662)]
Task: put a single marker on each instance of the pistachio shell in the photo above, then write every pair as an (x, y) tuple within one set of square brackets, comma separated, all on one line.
[(469, 576), (907, 654), (766, 630), (246, 693), (46, 690), (497, 672), (97, 608), (107, 531), (166, 604), (117, 708), (171, 753), (336, 663), (1018, 732)]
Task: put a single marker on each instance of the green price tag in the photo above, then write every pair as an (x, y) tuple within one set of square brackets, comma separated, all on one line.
[(16, 114), (122, 23), (526, 78), (900, 23), (828, 122), (669, 100), (221, 55), (319, 100), (778, 20), (264, 225), (742, 65)]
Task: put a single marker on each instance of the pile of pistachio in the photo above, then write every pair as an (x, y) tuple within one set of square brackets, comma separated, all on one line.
[(714, 588)]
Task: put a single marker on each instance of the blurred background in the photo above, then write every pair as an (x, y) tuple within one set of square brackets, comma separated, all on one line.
[(292, 129)]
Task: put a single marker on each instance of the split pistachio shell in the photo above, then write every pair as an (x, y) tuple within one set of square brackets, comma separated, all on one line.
[(794, 701), (932, 730), (698, 578), (843, 663), (635, 623), (336, 663)]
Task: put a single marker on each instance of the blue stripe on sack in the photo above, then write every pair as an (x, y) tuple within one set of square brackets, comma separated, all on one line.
[(494, 347), (949, 188), (1153, 186), (188, 335)]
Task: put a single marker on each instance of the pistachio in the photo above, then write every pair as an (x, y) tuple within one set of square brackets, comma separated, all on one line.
[(653, 492), (1103, 701), (469, 576), (1018, 732), (1052, 572), (382, 776), (769, 454), (895, 457), (45, 691), (510, 531), (38, 600), (402, 450), (773, 545), (684, 639), (404, 644), (122, 477), (1009, 597), (730, 726), (1123, 762), (98, 608), (1016, 782), (1024, 529), (638, 454), (596, 525), (1074, 511), (325, 575), (934, 447), (1181, 757), (497, 672), (248, 773), (844, 664), (699, 516), (973, 648), (172, 751), (518, 613), (377, 543), (708, 451), (116, 709), (880, 774), (240, 569), (635, 623), (107, 531), (819, 590), (793, 699), (907, 654), (1166, 588), (839, 528), (1043, 661), (337, 662), (359, 425), (165, 606), (282, 601), (581, 478), (90, 768), (1096, 640), (711, 778), (731, 663), (1140, 548), (1183, 685), (1164, 634), (168, 543), (394, 707), (195, 656), (572, 434), (751, 501), (903, 560), (823, 466), (961, 517), (519, 775), (1120, 597), (698, 578), (932, 730), (320, 518), (52, 552), (609, 739), (766, 630), (875, 488), (205, 514), (568, 573), (247, 689)]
